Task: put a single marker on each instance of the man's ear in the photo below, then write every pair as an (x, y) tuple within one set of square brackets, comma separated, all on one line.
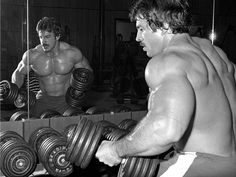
[(166, 29), (58, 37), (166, 26)]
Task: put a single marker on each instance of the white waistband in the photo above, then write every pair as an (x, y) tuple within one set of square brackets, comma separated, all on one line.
[(184, 161)]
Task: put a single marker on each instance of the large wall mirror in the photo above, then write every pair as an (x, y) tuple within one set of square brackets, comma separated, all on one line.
[(80, 22), (18, 22)]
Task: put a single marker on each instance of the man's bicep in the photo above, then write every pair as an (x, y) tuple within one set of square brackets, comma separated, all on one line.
[(21, 70), (23, 66)]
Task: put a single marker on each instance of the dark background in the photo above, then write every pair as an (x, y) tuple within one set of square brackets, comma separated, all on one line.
[(92, 25)]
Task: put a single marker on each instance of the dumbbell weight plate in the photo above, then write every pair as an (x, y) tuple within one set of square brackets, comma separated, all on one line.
[(137, 167), (93, 147), (8, 91), (87, 145), (84, 139), (144, 168), (81, 140), (105, 123), (17, 159), (52, 152), (112, 135), (49, 114), (39, 135), (107, 127), (81, 79), (9, 135), (126, 168), (152, 170), (74, 98), (73, 112), (71, 144), (129, 169), (119, 134), (116, 134), (126, 123), (107, 131), (52, 155), (96, 110), (19, 115), (69, 132), (21, 99)]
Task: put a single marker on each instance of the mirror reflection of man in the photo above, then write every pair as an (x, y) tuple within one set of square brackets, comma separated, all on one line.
[(53, 62)]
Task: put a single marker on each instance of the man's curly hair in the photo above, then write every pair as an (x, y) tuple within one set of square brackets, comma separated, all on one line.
[(157, 12), (49, 24)]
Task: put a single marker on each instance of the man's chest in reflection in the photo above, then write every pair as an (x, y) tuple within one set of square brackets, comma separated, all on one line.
[(45, 66)]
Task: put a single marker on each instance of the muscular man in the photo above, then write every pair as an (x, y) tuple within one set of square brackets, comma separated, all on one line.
[(53, 62), (192, 103)]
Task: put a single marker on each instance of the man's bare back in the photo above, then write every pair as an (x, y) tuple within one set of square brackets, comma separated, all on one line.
[(213, 82), (192, 97)]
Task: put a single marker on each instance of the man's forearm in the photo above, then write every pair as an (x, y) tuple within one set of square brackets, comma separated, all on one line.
[(142, 142)]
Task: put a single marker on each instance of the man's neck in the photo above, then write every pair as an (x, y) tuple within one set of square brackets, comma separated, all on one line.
[(55, 51)]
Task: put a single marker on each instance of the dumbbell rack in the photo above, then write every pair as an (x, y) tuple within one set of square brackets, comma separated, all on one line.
[(27, 127)]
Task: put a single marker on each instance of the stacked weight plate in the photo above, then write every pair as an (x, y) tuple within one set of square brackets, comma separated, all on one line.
[(17, 157), (84, 143), (51, 147)]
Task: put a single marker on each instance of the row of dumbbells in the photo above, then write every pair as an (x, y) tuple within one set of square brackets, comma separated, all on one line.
[(23, 115), (60, 152)]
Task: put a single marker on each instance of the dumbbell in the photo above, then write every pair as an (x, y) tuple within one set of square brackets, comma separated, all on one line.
[(96, 110), (19, 115), (49, 114), (8, 91), (50, 146), (81, 79), (22, 99), (52, 152), (132, 166), (17, 157), (139, 167), (9, 135), (71, 111), (74, 98), (127, 124), (69, 132), (84, 143)]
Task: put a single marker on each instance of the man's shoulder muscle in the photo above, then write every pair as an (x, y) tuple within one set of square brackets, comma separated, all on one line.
[(71, 51), (160, 67)]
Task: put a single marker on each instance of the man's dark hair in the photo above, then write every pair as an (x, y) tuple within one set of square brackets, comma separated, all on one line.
[(157, 12), (49, 24)]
